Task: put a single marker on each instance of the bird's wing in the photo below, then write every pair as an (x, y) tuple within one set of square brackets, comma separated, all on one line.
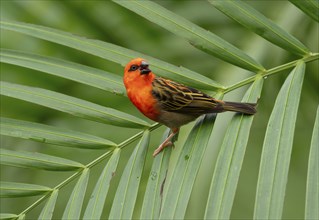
[(175, 97)]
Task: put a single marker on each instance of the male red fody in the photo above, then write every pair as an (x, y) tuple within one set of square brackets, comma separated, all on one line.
[(169, 102)]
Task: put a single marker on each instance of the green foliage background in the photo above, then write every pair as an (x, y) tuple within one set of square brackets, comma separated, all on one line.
[(109, 22)]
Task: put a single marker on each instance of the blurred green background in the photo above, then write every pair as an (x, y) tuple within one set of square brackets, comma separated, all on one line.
[(107, 21)]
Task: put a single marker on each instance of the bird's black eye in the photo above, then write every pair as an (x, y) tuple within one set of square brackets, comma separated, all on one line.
[(133, 68)]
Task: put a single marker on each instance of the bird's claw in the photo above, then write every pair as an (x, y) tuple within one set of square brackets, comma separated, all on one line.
[(162, 146)]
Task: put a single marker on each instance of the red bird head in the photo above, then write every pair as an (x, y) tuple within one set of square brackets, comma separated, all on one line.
[(138, 80), (137, 72)]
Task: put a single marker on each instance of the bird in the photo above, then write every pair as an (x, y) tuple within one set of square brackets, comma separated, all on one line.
[(171, 103)]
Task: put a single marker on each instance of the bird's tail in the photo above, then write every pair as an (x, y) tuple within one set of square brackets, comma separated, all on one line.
[(245, 108)]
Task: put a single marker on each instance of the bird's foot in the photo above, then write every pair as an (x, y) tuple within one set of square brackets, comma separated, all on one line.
[(162, 146), (167, 142)]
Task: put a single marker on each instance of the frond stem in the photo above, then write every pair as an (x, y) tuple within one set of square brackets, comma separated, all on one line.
[(272, 71)]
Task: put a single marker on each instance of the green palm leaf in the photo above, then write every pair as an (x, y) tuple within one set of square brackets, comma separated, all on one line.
[(125, 197), (230, 159), (51, 135), (69, 70), (178, 189), (310, 7), (37, 161), (47, 211), (13, 189), (155, 184), (273, 172), (74, 206), (252, 19), (71, 105), (96, 204), (21, 217), (312, 196), (7, 216)]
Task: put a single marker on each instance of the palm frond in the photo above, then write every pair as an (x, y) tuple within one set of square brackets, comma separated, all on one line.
[(163, 187)]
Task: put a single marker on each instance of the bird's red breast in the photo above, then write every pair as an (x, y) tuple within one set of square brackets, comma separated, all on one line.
[(138, 82)]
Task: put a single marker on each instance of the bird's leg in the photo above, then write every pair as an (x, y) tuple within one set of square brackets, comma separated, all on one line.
[(167, 142)]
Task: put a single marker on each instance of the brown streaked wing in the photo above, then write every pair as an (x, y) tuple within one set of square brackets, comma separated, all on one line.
[(176, 97)]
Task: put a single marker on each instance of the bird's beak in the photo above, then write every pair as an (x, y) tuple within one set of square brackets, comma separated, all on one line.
[(144, 68)]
